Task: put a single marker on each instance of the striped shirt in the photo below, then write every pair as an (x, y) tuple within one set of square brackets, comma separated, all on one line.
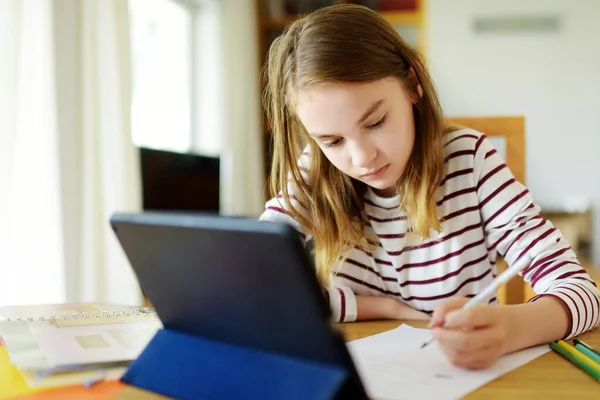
[(484, 211)]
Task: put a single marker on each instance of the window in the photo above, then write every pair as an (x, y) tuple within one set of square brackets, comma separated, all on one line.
[(162, 55)]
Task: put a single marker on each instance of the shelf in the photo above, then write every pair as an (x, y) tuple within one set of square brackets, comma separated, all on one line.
[(393, 17), (402, 17), (278, 23)]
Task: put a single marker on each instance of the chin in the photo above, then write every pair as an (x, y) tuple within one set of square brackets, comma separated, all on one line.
[(382, 185)]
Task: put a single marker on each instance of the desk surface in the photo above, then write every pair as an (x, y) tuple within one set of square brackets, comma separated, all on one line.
[(549, 376)]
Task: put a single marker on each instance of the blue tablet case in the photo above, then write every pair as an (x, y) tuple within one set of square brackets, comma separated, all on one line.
[(183, 366)]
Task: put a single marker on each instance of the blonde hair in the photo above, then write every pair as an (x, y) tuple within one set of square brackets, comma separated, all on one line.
[(347, 43)]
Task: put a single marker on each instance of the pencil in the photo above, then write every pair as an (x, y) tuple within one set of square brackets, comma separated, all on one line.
[(587, 350), (579, 341), (493, 287), (578, 359)]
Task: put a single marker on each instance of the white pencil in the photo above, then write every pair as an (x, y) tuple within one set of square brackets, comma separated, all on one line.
[(493, 287)]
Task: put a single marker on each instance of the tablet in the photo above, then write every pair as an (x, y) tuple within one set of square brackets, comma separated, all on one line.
[(234, 280)]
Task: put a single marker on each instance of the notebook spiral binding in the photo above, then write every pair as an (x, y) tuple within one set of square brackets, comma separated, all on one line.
[(137, 311)]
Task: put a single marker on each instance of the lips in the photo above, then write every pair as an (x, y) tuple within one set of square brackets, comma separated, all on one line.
[(376, 172)]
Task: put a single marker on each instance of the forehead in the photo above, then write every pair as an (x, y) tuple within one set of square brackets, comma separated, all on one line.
[(336, 107)]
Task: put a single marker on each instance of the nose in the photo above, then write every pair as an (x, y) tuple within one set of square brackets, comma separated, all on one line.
[(363, 153)]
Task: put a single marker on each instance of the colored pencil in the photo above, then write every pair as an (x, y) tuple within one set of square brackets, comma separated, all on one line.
[(575, 357), (587, 350), (581, 342)]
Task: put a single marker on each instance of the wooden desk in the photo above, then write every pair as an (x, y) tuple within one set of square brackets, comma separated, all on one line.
[(547, 377)]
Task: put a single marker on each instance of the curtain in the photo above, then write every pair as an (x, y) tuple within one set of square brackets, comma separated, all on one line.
[(110, 168), (67, 161), (230, 119), (31, 242), (242, 154)]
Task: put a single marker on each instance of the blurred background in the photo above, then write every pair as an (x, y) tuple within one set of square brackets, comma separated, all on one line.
[(129, 105)]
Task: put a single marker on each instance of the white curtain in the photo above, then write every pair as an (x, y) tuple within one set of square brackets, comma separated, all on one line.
[(31, 245), (110, 170), (243, 180), (67, 161), (230, 121)]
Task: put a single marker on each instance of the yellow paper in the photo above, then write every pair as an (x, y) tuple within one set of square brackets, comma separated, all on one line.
[(12, 383)]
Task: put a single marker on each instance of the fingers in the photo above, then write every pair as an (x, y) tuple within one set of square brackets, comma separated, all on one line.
[(460, 340), (439, 315), (480, 359), (471, 338), (472, 318)]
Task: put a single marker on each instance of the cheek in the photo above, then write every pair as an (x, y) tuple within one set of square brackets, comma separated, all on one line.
[(399, 145), (409, 142), (336, 157)]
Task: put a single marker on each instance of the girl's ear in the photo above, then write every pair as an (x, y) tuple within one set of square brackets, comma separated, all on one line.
[(413, 78)]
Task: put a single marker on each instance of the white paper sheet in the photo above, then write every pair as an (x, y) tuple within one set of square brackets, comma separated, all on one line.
[(393, 366)]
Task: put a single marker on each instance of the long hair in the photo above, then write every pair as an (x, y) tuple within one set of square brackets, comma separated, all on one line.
[(347, 43)]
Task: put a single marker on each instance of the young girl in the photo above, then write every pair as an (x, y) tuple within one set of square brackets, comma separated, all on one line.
[(406, 213)]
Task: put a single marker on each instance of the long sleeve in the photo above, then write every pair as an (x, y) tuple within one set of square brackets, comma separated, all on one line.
[(277, 211), (516, 230), (342, 300)]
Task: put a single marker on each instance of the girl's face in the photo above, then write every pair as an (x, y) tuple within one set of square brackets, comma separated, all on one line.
[(366, 130)]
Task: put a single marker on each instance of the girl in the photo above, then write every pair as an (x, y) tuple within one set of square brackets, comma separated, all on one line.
[(406, 214)]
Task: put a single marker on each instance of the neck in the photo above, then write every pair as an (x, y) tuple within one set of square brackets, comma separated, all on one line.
[(389, 192)]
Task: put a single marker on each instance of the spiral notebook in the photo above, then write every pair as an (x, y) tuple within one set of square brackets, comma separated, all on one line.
[(57, 337)]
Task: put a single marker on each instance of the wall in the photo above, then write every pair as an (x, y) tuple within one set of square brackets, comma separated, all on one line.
[(551, 78)]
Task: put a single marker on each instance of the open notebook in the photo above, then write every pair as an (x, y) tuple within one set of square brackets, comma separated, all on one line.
[(51, 338)]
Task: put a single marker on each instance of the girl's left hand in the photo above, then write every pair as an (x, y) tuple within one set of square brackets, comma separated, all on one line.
[(471, 338)]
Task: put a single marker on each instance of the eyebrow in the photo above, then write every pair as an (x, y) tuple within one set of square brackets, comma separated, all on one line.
[(369, 111), (362, 119)]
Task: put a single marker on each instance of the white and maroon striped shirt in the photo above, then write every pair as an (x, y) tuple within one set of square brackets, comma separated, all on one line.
[(484, 210)]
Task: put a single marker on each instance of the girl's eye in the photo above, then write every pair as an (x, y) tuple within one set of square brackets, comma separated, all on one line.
[(334, 143), (377, 124)]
